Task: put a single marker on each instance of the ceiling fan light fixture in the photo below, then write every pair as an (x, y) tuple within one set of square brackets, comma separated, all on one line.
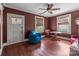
[(50, 11)]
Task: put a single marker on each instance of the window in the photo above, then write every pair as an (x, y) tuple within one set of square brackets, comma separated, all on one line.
[(13, 20), (63, 27), (39, 24), (64, 23)]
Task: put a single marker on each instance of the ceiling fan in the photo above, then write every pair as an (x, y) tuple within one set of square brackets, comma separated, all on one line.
[(49, 9)]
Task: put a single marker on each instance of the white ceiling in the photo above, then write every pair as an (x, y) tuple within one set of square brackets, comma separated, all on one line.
[(34, 8)]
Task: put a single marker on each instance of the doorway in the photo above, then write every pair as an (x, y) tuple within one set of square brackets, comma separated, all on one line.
[(15, 28)]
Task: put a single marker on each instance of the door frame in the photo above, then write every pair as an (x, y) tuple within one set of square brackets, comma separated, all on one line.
[(23, 26), (1, 8)]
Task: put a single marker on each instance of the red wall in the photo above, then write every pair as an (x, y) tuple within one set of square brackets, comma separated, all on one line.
[(74, 26), (29, 20), (53, 23)]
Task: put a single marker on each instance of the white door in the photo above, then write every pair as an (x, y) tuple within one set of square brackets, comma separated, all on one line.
[(15, 28)]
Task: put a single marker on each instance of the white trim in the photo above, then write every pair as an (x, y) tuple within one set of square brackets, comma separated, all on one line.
[(1, 8), (69, 20), (63, 37), (1, 50), (6, 44), (35, 21), (23, 23)]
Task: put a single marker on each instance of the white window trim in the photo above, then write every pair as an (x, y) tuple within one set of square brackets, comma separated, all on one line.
[(69, 20), (35, 22)]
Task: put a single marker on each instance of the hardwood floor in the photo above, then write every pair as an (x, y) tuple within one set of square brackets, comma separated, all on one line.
[(46, 47)]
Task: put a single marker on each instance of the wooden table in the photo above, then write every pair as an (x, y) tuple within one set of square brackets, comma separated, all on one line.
[(55, 34)]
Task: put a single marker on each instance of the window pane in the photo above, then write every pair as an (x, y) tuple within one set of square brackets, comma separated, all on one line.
[(13, 20), (39, 24), (63, 27), (19, 20), (40, 29)]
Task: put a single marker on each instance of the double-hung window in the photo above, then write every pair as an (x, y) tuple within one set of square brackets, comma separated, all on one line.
[(64, 23)]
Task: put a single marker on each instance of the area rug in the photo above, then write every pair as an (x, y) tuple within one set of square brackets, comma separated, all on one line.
[(74, 51)]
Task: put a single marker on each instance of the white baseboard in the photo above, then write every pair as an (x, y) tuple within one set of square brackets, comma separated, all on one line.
[(63, 37), (5, 44), (1, 50)]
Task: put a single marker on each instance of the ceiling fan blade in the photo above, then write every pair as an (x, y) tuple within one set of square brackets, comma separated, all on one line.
[(43, 12), (42, 9), (50, 12), (55, 9)]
